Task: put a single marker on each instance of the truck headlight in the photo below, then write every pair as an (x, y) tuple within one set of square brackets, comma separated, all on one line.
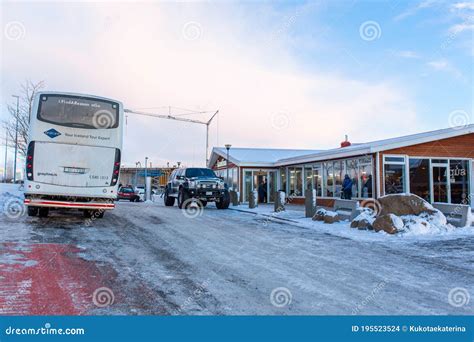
[(192, 184), (221, 185)]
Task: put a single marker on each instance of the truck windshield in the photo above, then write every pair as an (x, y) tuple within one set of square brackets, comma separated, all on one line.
[(80, 112), (196, 172)]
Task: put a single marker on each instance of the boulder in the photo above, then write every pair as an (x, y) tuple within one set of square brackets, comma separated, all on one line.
[(405, 204), (364, 220), (319, 216), (331, 217), (364, 224), (389, 223)]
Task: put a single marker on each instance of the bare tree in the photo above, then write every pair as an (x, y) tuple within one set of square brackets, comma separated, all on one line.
[(27, 95)]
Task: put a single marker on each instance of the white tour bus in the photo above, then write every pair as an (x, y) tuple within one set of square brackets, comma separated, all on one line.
[(73, 157)]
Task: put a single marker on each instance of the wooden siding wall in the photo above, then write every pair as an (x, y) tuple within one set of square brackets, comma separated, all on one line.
[(457, 147)]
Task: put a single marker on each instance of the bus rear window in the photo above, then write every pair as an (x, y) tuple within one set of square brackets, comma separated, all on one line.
[(81, 112)]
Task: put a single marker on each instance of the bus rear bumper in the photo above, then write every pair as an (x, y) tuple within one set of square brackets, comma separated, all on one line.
[(69, 205)]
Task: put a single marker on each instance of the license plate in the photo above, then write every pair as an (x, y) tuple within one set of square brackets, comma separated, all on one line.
[(74, 170), (208, 193)]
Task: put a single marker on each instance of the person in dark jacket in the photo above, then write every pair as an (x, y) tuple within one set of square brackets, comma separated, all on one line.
[(368, 185), (261, 193), (347, 188)]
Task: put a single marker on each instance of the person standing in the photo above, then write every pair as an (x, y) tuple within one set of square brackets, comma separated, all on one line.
[(347, 188), (261, 193)]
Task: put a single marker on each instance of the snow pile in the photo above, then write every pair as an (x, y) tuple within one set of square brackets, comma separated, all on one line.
[(426, 224), (9, 192), (397, 222), (365, 214)]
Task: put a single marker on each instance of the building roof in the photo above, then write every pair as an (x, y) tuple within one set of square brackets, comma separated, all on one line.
[(256, 156), (282, 157)]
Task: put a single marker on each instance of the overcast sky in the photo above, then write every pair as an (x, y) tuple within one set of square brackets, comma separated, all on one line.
[(286, 74)]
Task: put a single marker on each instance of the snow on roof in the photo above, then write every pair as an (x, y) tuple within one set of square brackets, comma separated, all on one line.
[(281, 157), (258, 156), (381, 145)]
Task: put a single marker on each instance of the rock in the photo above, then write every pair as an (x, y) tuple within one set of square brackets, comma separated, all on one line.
[(364, 224), (389, 223), (319, 216), (405, 204), (331, 217), (364, 220)]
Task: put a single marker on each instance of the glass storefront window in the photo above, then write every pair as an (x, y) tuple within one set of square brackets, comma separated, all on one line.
[(248, 186), (338, 177), (283, 179), (459, 181), (299, 181), (292, 176), (352, 169), (394, 178), (308, 178), (366, 181), (329, 181), (317, 179), (420, 178)]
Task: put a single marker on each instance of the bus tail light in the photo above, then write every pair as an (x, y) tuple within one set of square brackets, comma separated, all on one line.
[(116, 172), (29, 160)]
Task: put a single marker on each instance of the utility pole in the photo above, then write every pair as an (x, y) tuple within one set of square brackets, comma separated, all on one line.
[(6, 156), (16, 136), (227, 146)]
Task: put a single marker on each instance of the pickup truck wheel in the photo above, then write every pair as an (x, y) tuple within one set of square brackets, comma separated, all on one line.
[(224, 201), (32, 211), (169, 201), (43, 212), (182, 198)]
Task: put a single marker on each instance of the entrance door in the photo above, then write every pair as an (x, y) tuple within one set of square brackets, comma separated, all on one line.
[(261, 185), (440, 183), (272, 184)]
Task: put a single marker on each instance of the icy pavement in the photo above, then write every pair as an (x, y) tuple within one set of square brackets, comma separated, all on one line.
[(152, 259)]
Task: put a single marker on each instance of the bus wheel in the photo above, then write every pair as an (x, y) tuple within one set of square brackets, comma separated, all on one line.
[(43, 212), (32, 211)]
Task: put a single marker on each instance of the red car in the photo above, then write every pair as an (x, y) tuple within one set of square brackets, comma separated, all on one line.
[(127, 193)]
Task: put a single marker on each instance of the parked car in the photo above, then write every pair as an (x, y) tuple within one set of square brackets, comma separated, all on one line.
[(196, 183), (128, 193), (140, 189)]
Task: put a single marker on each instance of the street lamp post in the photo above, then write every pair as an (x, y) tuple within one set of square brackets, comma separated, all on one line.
[(227, 147), (136, 172), (16, 135), (146, 174)]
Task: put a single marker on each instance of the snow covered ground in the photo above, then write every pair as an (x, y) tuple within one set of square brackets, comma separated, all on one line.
[(159, 260)]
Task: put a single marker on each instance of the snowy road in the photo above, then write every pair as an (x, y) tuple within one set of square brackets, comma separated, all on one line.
[(155, 260)]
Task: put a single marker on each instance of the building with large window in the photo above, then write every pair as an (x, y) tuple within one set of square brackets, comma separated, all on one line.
[(436, 166)]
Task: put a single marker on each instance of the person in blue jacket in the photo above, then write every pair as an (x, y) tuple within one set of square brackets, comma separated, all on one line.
[(347, 188)]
